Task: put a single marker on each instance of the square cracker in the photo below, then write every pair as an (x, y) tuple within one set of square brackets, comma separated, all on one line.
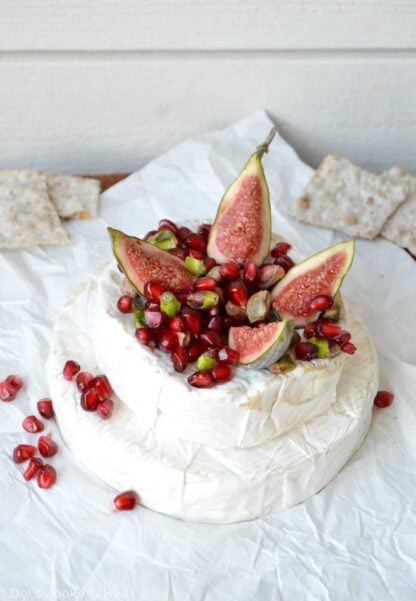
[(347, 198), (28, 217), (74, 197), (401, 226)]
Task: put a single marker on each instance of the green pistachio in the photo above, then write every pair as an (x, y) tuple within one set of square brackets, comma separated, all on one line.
[(258, 306), (205, 362), (169, 304), (203, 300), (138, 317), (326, 348), (164, 239), (195, 266)]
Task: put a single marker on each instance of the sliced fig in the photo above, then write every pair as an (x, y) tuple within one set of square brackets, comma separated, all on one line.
[(322, 273), (258, 306), (242, 228), (261, 346), (141, 262)]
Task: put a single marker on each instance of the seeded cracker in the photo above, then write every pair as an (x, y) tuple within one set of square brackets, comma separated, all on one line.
[(74, 197), (401, 226), (347, 198), (28, 217)]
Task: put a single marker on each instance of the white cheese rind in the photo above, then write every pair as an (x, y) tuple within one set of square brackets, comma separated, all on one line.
[(255, 406), (199, 483)]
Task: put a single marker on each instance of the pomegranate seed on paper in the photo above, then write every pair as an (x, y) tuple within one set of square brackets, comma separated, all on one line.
[(383, 399), (126, 501)]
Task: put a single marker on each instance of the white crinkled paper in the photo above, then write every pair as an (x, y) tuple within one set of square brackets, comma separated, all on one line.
[(356, 539)]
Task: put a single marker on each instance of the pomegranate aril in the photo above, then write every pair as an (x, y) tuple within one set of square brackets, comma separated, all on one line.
[(33, 467), (23, 452), (70, 370), (179, 252), (201, 379), (184, 232), (196, 254), (222, 373), (310, 330), (227, 356), (193, 323), (102, 386), (205, 284), (194, 350), (153, 291), (209, 263), (195, 242), (7, 393), (83, 379), (167, 224), (204, 230), (210, 338), (321, 303), (15, 382), (250, 273), (215, 324), (46, 476), (179, 358), (32, 424), (152, 306), (145, 336), (105, 408), (280, 249), (348, 348), (328, 330), (154, 319), (237, 293), (230, 270), (177, 324), (168, 341), (306, 351), (47, 447), (45, 408), (125, 304), (125, 501), (285, 262), (343, 337), (90, 399), (383, 399)]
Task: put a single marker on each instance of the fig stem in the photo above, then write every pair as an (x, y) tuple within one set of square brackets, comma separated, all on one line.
[(262, 148)]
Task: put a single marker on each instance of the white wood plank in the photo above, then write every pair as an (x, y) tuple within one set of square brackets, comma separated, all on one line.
[(115, 115), (206, 24)]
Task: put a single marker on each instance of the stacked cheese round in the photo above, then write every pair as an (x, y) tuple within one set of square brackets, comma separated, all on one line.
[(254, 445)]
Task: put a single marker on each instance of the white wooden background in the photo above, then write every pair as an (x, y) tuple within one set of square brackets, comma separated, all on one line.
[(98, 85)]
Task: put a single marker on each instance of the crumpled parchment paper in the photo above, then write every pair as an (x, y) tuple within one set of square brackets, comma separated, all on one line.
[(355, 540)]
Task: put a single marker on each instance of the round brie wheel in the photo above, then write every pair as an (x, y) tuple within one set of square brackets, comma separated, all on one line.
[(255, 406), (196, 482)]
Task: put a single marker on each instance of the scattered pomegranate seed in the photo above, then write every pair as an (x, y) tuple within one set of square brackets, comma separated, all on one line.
[(194, 350), (47, 447), (321, 303), (125, 501), (179, 252), (15, 382), (306, 351), (343, 337), (153, 291), (46, 476), (154, 319), (215, 323), (23, 452), (383, 399), (125, 304), (280, 249), (237, 293), (145, 336), (32, 469), (45, 408), (70, 369), (177, 324), (227, 356), (90, 399), (207, 283), (167, 224), (168, 341), (32, 424), (7, 393), (193, 322), (196, 254), (105, 408), (222, 373), (250, 273), (204, 231), (348, 348), (230, 270), (179, 358), (210, 338), (209, 263), (201, 379), (285, 262), (328, 330), (102, 386), (195, 242), (83, 379)]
